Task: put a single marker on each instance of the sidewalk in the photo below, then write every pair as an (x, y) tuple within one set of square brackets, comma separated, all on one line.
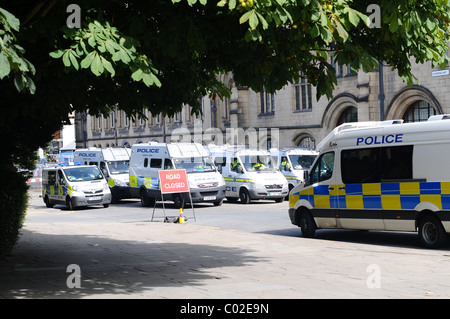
[(184, 261)]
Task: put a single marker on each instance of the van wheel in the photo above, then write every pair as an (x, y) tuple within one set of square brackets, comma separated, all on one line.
[(290, 188), (307, 225), (69, 203), (145, 200), (279, 200), (47, 202), (431, 232), (244, 196), (178, 201), (218, 203)]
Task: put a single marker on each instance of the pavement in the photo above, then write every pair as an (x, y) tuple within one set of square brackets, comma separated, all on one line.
[(158, 260)]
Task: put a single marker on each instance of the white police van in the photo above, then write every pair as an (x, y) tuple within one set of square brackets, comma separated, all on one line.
[(249, 174), (385, 175), (74, 186), (293, 162), (114, 164), (205, 182)]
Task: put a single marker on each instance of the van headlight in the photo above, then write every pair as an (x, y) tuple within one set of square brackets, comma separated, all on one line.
[(105, 187), (76, 188)]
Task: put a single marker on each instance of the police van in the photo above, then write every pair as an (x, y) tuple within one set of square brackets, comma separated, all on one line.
[(205, 182), (74, 186), (293, 162), (249, 174), (385, 175), (113, 163)]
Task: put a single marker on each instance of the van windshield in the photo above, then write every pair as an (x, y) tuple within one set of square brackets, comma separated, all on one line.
[(82, 174), (118, 167), (195, 164), (257, 163), (302, 161)]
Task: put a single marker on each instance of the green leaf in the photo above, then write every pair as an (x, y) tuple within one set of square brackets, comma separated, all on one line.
[(87, 61), (137, 75), (5, 68), (314, 31), (353, 17), (245, 17), (56, 54), (66, 59), (97, 65), (73, 60), (108, 66), (222, 3), (11, 20), (253, 21), (263, 21)]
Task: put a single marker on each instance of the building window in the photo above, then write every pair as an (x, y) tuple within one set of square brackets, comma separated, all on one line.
[(303, 95), (267, 101), (307, 142), (350, 114), (418, 112)]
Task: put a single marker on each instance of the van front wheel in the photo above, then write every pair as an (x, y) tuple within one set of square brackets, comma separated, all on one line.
[(244, 196), (307, 225), (69, 203), (431, 232), (47, 202), (145, 200)]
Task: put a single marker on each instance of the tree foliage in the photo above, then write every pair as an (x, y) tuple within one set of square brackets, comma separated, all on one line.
[(161, 54)]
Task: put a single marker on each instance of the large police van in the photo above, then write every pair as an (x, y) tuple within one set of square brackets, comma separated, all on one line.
[(113, 163), (205, 182), (249, 174), (74, 186), (379, 176), (293, 162)]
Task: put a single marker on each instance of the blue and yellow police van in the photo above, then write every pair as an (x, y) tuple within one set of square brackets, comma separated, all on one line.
[(74, 186), (387, 176)]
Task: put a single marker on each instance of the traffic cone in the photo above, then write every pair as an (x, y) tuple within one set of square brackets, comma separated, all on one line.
[(181, 218)]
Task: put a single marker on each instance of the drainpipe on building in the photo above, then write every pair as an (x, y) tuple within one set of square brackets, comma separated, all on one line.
[(381, 95)]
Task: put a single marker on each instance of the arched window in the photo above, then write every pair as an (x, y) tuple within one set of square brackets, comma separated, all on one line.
[(418, 112), (350, 114), (307, 142)]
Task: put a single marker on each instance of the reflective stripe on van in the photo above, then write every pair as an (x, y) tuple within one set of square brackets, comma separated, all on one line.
[(401, 195)]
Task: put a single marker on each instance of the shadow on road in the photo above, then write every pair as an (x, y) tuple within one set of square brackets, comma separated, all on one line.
[(382, 238), (38, 265)]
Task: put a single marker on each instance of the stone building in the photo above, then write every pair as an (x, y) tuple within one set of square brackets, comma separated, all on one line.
[(290, 117)]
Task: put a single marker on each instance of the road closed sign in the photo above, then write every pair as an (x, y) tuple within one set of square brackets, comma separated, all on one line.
[(173, 181)]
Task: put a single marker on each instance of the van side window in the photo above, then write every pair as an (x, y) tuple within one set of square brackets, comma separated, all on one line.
[(168, 163), (156, 162), (375, 165), (396, 163), (360, 166), (145, 162), (323, 169), (51, 177)]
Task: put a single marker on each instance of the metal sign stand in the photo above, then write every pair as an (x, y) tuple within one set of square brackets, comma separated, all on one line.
[(164, 207)]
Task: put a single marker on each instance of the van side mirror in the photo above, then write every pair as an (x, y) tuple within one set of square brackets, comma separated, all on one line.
[(219, 168)]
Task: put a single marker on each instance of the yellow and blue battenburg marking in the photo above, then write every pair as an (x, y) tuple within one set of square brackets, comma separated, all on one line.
[(148, 182), (401, 196), (60, 190)]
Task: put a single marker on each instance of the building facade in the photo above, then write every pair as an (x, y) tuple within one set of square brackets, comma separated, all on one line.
[(291, 116)]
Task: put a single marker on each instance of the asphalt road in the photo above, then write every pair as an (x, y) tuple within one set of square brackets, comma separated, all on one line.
[(231, 251)]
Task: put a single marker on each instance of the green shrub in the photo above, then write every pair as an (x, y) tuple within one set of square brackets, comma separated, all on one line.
[(13, 205)]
